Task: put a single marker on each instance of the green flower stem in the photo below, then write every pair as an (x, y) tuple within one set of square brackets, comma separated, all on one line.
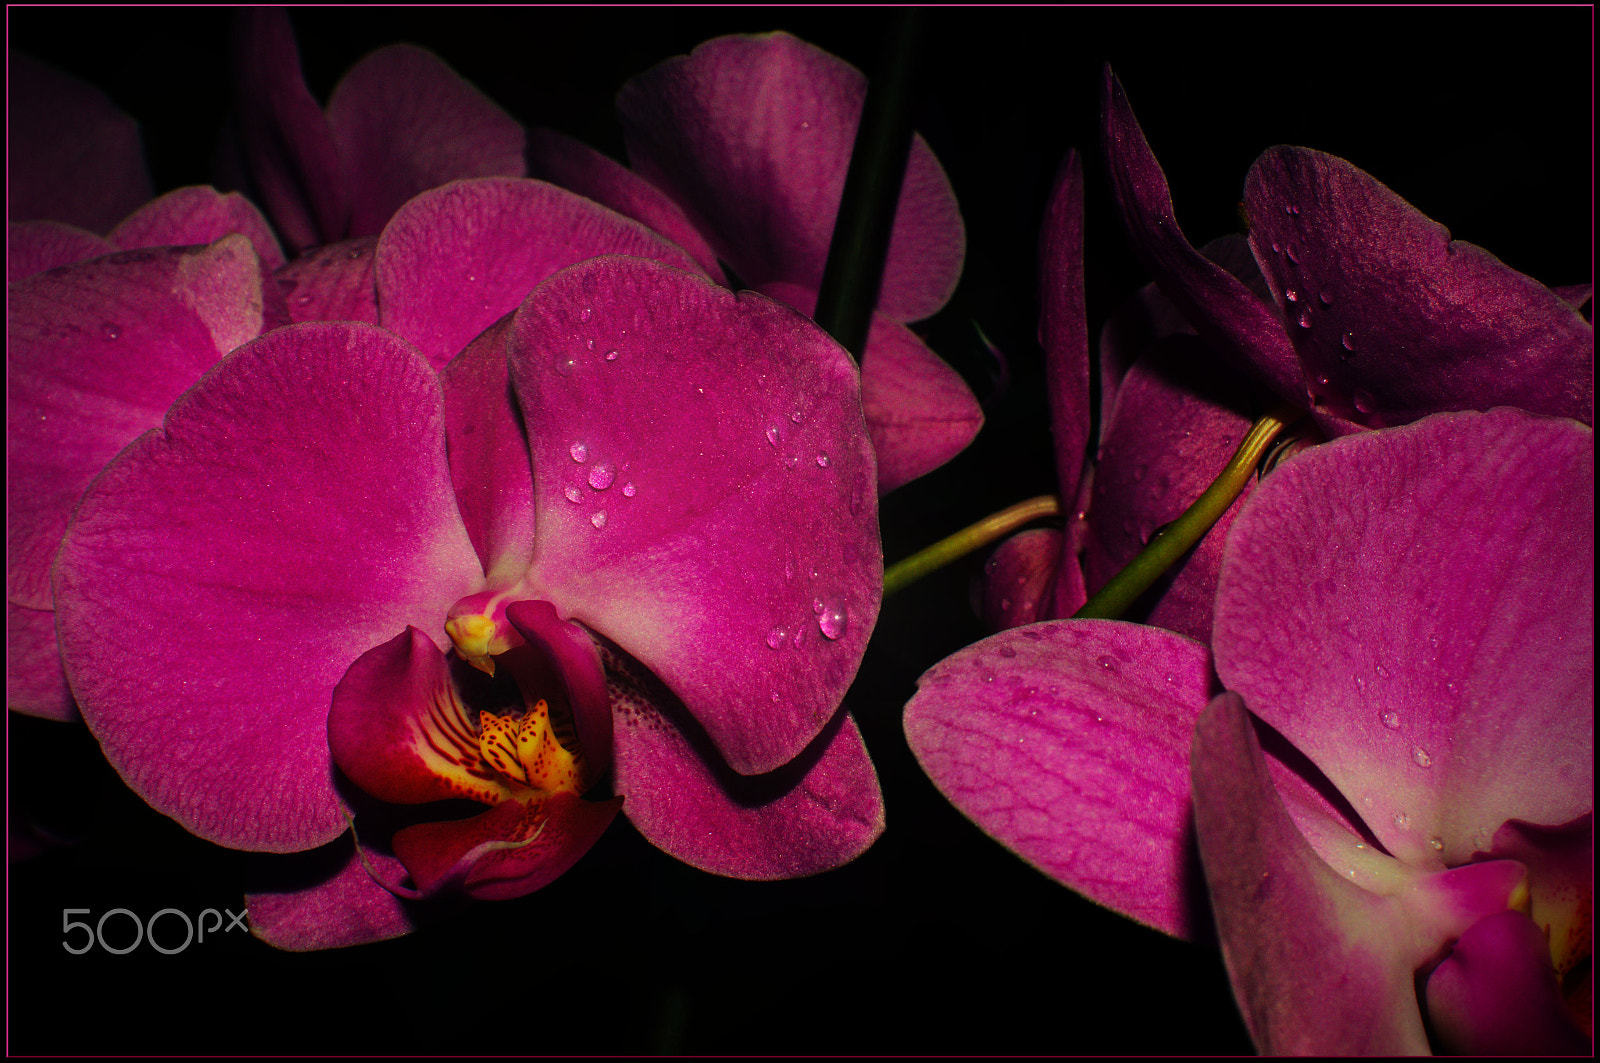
[(929, 559), (1174, 540)]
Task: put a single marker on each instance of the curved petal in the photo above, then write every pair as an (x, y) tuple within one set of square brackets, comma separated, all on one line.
[(1173, 429), (290, 151), (324, 899), (198, 214), (404, 122), (753, 135), (35, 246), (335, 282), (1219, 306), (457, 259), (35, 683), (75, 157), (1391, 318), (1313, 959), (1067, 742), (1019, 579), (225, 570), (1063, 326), (919, 411), (576, 660), (1447, 567), (816, 813), (572, 164), (95, 353), (706, 494)]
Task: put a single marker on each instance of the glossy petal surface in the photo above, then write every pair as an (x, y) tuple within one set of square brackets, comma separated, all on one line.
[(1449, 566), (726, 538), (753, 135), (193, 588), (1067, 742)]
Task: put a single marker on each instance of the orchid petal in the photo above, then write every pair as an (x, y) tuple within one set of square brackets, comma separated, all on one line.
[(1560, 862), (198, 215), (1019, 580), (223, 572), (35, 246), (1496, 994), (1448, 567), (577, 677), (1393, 319), (35, 683), (919, 411), (95, 353), (753, 135), (456, 259), (1067, 743), (93, 177), (1220, 307), (818, 812), (335, 282), (404, 122), (572, 164), (1311, 956), (1063, 326), (287, 144), (325, 899), (1173, 430), (706, 493), (508, 851)]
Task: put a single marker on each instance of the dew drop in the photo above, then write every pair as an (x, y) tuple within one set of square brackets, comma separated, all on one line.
[(1391, 719), (822, 461), (611, 355), (1402, 820), (629, 490), (834, 620), (1291, 295), (1436, 843), (796, 415), (602, 475), (776, 637), (304, 300), (1289, 251), (589, 344), (565, 366), (1326, 298), (1305, 319), (585, 315), (1290, 208), (774, 697), (799, 637), (1107, 663), (1383, 673), (598, 518), (110, 331), (1362, 400), (579, 452), (573, 494), (1420, 756), (1276, 249)]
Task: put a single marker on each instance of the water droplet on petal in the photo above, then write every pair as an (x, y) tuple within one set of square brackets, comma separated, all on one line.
[(1436, 843), (1421, 757), (585, 315), (110, 331), (1383, 673), (611, 355), (1291, 295), (1391, 719), (822, 461), (629, 490), (776, 637), (1402, 820), (1107, 663), (566, 365), (1362, 400), (598, 518), (834, 620), (799, 637), (589, 344), (1326, 297), (1305, 319), (602, 475), (773, 435), (1276, 249), (1291, 255), (579, 452), (1290, 208), (573, 494)]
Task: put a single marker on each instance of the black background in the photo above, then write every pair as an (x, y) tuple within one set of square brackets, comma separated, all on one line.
[(937, 940)]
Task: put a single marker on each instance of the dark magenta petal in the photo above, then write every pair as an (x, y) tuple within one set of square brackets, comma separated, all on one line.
[(1174, 427), (226, 569), (74, 157), (198, 215), (919, 411), (288, 146), (1560, 862), (763, 182), (1067, 742), (95, 353), (706, 493), (334, 282), (35, 683), (1019, 580), (1317, 964), (35, 246), (572, 164), (1497, 995), (325, 899), (573, 656), (457, 259), (404, 122), (1448, 568), (1063, 326), (818, 812), (508, 851), (1391, 318), (1219, 306)]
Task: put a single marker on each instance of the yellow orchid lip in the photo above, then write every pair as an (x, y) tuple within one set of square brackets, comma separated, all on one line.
[(526, 750)]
